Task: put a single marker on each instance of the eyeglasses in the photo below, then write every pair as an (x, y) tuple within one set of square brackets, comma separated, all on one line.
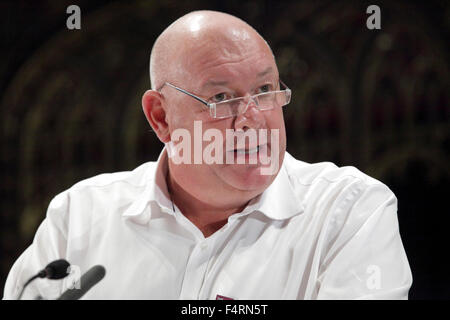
[(236, 106)]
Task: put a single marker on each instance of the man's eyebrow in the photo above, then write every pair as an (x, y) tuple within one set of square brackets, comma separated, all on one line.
[(213, 83)]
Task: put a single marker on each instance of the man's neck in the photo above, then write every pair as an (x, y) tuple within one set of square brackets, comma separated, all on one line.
[(204, 216)]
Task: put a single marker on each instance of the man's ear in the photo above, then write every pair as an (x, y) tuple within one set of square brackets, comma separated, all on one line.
[(156, 114)]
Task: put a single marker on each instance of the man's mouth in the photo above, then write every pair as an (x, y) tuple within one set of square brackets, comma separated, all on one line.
[(259, 155), (247, 151)]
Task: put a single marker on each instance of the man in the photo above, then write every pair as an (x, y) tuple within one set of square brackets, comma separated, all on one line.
[(201, 229)]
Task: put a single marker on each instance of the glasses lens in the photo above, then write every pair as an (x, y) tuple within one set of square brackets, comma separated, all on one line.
[(267, 100), (270, 100), (263, 101), (228, 108)]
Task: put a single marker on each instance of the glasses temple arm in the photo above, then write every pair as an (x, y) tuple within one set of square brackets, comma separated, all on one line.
[(284, 84), (189, 94)]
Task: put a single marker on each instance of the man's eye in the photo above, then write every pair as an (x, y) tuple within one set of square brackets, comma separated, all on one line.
[(219, 97), (264, 88)]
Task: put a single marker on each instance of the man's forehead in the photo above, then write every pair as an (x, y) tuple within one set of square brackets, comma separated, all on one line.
[(217, 40), (213, 62)]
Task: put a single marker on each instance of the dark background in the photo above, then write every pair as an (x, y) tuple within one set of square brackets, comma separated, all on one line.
[(378, 100)]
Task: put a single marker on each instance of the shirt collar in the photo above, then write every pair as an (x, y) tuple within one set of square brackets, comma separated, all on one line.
[(155, 191), (279, 201)]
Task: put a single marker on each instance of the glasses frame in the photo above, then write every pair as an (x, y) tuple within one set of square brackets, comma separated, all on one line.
[(211, 106)]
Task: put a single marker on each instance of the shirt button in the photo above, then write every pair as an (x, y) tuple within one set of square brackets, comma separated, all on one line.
[(203, 246)]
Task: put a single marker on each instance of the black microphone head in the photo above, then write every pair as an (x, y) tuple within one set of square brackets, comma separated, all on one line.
[(57, 269)]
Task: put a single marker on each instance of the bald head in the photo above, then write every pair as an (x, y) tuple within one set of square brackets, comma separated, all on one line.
[(192, 38)]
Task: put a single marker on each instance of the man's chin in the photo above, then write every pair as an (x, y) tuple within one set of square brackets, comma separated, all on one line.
[(248, 177)]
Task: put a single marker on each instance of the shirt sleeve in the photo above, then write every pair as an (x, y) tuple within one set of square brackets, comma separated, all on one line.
[(364, 256), (49, 244)]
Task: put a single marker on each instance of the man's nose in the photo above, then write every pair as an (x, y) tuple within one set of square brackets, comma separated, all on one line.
[(251, 118)]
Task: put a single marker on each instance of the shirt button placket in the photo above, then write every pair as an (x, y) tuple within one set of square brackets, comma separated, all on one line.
[(196, 269)]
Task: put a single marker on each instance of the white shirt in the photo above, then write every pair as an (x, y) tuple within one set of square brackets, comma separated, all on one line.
[(318, 232)]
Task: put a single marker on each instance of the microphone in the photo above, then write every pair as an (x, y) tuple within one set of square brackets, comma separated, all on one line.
[(57, 269), (87, 281)]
